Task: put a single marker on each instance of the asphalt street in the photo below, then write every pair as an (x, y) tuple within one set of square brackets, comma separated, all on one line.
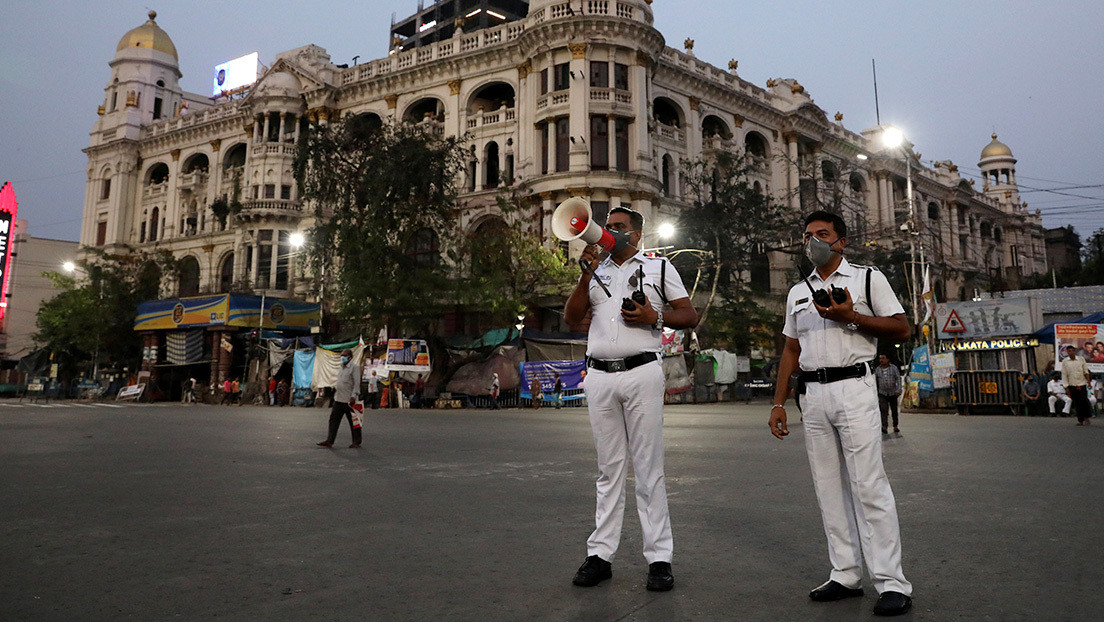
[(158, 512)]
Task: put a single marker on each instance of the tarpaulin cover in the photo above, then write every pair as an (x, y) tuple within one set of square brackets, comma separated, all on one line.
[(302, 369), (327, 363)]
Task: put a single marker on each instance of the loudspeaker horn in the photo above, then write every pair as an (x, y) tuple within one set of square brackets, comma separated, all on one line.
[(573, 220)]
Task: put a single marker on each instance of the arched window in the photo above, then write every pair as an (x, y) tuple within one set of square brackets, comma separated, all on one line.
[(491, 97), (828, 171), (858, 184), (154, 219), (157, 174), (713, 126), (667, 112), (235, 156), (364, 125), (490, 251), (667, 174), (427, 108), (197, 162), (755, 144), (933, 211), (189, 277), (226, 273), (490, 160)]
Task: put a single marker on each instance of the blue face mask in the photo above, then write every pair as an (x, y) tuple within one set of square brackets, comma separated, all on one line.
[(344, 360)]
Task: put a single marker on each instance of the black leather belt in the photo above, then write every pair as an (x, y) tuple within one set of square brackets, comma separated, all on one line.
[(825, 375), (625, 364)]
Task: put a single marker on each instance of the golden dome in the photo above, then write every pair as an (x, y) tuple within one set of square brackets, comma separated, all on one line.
[(149, 35), (996, 149)]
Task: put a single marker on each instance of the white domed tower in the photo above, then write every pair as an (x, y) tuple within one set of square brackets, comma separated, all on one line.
[(144, 85), (998, 171)]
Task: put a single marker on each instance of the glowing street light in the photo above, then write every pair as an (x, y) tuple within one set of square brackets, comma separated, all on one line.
[(893, 137), (69, 266), (666, 230), (297, 239)]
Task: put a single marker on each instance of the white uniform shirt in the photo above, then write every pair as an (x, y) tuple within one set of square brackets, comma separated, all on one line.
[(609, 336), (348, 382), (1055, 387), (825, 343)]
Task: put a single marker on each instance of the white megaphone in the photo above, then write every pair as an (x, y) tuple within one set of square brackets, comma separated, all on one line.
[(573, 220)]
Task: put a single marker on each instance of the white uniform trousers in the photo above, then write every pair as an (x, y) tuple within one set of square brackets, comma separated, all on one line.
[(626, 417), (843, 438), (1066, 403)]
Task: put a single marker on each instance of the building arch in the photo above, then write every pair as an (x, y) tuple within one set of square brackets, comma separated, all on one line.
[(933, 210), (714, 126), (157, 173), (235, 156), (756, 144), (491, 96), (424, 108), (425, 248), (196, 161), (364, 124), (491, 165), (668, 112), (668, 175), (226, 273), (829, 172), (155, 219), (857, 182), (188, 273)]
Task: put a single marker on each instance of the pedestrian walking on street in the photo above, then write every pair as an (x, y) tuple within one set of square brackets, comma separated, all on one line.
[(189, 391), (494, 392), (831, 337), (626, 292), (557, 392), (348, 382), (272, 390), (1075, 378), (889, 390), (373, 390), (536, 397)]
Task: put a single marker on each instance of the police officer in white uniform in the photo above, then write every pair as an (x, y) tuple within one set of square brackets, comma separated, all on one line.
[(832, 338), (624, 389)]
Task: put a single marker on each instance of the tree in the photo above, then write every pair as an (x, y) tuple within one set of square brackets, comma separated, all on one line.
[(93, 316), (738, 225), (1092, 271), (387, 242)]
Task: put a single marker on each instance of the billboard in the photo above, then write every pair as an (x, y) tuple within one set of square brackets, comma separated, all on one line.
[(407, 355), (1087, 338), (8, 208), (985, 319), (227, 310), (234, 74)]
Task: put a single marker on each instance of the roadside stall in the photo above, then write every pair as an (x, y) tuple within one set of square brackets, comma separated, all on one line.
[(994, 349)]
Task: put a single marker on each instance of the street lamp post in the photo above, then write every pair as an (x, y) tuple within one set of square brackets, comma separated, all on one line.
[(71, 267), (894, 138)]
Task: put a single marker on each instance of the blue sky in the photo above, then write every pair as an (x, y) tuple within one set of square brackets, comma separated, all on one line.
[(949, 74)]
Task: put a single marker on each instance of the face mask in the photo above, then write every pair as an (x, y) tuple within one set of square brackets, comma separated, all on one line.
[(344, 360), (621, 240), (818, 251)]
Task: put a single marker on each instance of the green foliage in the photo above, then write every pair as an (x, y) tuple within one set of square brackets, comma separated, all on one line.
[(388, 246), (737, 225), (94, 314), (1092, 262)]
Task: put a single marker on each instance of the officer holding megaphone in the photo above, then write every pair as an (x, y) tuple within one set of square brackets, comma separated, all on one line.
[(624, 385)]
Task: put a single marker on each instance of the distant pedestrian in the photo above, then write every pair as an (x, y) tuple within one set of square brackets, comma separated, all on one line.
[(189, 391), (272, 390), (373, 390), (889, 390), (557, 392), (419, 391), (282, 392), (235, 392), (1075, 377), (494, 392), (227, 391), (348, 384)]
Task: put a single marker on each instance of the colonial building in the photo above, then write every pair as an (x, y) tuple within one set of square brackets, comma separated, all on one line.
[(568, 99)]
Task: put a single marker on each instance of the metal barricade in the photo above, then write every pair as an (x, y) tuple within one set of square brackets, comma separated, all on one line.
[(988, 392)]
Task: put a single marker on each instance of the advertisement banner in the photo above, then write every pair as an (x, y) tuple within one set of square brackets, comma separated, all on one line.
[(1087, 338), (571, 374), (984, 319), (920, 372), (227, 310), (942, 369), (407, 355)]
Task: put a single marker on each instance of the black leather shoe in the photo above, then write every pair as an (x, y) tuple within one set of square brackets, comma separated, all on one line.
[(660, 578), (832, 590), (892, 604), (593, 571)]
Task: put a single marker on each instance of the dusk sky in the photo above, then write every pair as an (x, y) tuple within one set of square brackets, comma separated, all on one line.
[(949, 75)]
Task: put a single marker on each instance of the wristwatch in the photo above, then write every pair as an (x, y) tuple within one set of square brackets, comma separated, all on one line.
[(852, 326), (659, 320)]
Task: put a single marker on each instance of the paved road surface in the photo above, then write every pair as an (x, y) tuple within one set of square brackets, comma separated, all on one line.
[(169, 512)]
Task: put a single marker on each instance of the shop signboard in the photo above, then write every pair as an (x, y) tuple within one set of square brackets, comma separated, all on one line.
[(920, 370), (942, 368)]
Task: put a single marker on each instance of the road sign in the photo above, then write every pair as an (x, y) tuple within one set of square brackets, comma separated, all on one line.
[(954, 323)]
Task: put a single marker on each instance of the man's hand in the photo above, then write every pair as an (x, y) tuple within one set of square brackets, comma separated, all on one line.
[(641, 314), (843, 312), (592, 256), (777, 422)]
